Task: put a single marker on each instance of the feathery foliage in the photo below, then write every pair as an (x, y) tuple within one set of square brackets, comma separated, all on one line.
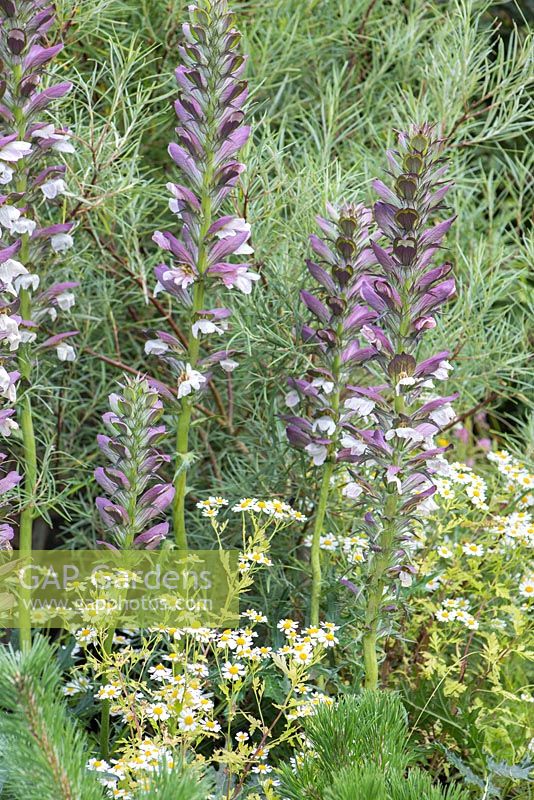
[(360, 748), (44, 751)]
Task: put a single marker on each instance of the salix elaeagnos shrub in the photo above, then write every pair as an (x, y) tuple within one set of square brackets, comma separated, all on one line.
[(210, 133), (379, 294), (31, 181)]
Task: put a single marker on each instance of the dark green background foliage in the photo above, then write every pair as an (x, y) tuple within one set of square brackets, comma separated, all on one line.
[(330, 81), (360, 749)]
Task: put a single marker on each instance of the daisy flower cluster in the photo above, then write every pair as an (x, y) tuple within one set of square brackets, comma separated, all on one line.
[(277, 509), (346, 550), (457, 610), (122, 776), (457, 477), (516, 529), (184, 687), (518, 478)]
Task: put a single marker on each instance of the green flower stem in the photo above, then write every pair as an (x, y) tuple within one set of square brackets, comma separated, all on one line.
[(377, 583), (184, 420), (106, 704), (315, 548), (182, 433), (315, 599), (382, 560), (30, 479)]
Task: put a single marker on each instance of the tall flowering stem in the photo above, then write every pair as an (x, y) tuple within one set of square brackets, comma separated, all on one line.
[(135, 495), (324, 393), (30, 182), (210, 133), (403, 414)]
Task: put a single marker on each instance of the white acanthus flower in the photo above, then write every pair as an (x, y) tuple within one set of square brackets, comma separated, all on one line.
[(292, 399), (409, 434), (7, 388), (442, 416), (51, 189), (61, 242), (317, 452), (190, 381), (23, 225), (232, 228), (352, 490), (66, 300), (65, 352), (363, 406), (405, 578), (205, 326), (6, 173), (8, 216), (7, 426), (356, 447), (408, 380), (155, 347), (61, 141), (9, 331), (324, 425), (228, 364), (14, 151), (14, 276), (323, 384), (442, 370)]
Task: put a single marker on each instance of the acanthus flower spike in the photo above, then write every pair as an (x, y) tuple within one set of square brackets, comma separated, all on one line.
[(30, 185), (135, 494), (397, 441), (342, 259), (202, 259)]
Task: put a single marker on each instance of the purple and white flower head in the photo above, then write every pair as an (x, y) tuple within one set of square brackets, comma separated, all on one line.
[(207, 255), (320, 399), (136, 496), (394, 415), (31, 180)]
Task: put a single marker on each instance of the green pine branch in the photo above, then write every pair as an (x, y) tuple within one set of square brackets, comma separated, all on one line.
[(44, 752)]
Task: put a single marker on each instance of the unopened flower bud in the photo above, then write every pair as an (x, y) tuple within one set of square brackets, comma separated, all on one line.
[(9, 7), (28, 85), (16, 41)]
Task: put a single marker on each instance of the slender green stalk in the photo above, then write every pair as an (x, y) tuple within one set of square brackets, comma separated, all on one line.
[(376, 591), (381, 562), (315, 548), (315, 599), (182, 433), (106, 704), (184, 420)]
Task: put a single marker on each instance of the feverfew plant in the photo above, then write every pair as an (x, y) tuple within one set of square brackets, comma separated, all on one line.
[(31, 182), (472, 605), (210, 133), (182, 692)]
